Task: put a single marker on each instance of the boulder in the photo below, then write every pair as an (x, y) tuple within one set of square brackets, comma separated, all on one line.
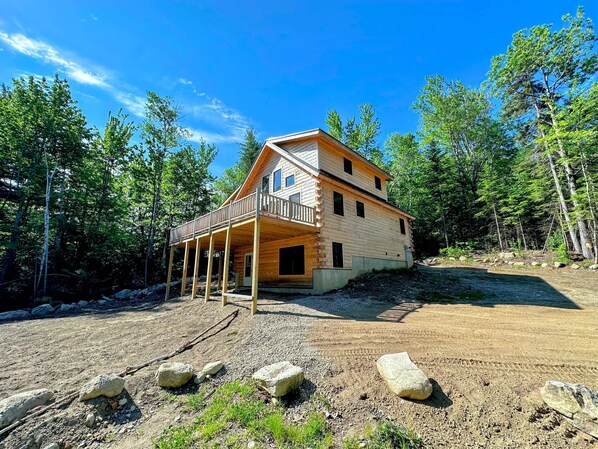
[(507, 255), (535, 264), (66, 308), (212, 368), (108, 385), (43, 310), (575, 266), (15, 407), (544, 265), (403, 376), (279, 378), (593, 267), (576, 402), (462, 258), (174, 375), (82, 303), (124, 294), (559, 265), (14, 315), (519, 264), (90, 420)]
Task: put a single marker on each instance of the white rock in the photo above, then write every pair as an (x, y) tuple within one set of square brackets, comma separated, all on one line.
[(90, 420), (576, 402), (123, 294), (66, 308), (14, 315), (83, 303), (559, 265), (122, 401), (44, 309), (544, 265), (101, 302), (212, 368), (404, 377), (108, 385), (593, 267), (519, 264), (199, 378), (462, 258), (575, 266), (279, 378), (251, 445), (174, 375), (52, 446), (535, 264), (15, 407), (507, 255)]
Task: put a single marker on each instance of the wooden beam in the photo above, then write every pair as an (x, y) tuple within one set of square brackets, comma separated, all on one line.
[(210, 263), (219, 283), (196, 267), (185, 264), (169, 277), (237, 295), (226, 263), (255, 261)]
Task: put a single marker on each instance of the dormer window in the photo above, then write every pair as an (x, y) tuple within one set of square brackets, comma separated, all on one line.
[(348, 166), (378, 182)]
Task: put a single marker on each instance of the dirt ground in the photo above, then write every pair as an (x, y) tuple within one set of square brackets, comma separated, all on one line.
[(488, 337)]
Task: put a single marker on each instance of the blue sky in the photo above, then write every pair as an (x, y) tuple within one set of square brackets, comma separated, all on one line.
[(275, 65)]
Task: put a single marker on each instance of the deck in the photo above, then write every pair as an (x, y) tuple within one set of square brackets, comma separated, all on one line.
[(262, 204)]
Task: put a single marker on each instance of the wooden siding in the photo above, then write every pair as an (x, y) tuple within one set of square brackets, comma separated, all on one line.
[(305, 184), (331, 160), (378, 235), (306, 150), (269, 261)]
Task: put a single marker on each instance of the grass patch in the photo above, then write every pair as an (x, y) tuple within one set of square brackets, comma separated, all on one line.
[(235, 414), (450, 297), (386, 436)]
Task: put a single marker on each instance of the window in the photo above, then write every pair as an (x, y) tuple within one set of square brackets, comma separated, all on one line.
[(295, 198), (266, 184), (348, 166), (337, 255), (360, 209), (289, 181), (292, 260), (378, 183), (277, 184), (402, 226), (338, 204)]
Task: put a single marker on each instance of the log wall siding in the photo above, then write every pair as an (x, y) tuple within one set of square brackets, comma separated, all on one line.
[(305, 150), (269, 261), (331, 160), (378, 235), (305, 183)]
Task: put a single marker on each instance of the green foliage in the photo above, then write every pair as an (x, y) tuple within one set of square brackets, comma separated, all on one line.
[(386, 436), (460, 249), (237, 413)]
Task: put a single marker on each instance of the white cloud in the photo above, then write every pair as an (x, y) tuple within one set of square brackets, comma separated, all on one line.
[(185, 81), (232, 135)]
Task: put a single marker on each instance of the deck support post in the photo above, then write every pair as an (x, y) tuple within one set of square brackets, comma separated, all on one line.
[(226, 263), (255, 261), (196, 267), (169, 277), (210, 264), (185, 264), (219, 286)]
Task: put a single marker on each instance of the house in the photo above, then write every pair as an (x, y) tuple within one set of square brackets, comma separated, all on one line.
[(311, 214)]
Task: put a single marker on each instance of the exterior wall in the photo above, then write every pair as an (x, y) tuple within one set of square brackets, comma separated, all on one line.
[(269, 261), (376, 236), (331, 160), (304, 150), (305, 184)]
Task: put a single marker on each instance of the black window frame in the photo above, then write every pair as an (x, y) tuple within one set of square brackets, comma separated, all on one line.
[(360, 209), (338, 200), (279, 172), (298, 194), (293, 258), (348, 165), (286, 181), (337, 255), (402, 226), (266, 183), (378, 182)]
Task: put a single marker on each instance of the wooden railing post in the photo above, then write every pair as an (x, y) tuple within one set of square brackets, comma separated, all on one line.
[(210, 264), (255, 262), (185, 264), (226, 258)]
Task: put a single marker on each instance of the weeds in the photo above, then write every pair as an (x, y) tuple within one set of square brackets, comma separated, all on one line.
[(386, 436)]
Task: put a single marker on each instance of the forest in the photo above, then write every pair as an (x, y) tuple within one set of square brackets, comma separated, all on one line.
[(510, 164)]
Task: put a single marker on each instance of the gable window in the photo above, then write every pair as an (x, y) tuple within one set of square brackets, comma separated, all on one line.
[(338, 204), (360, 209), (277, 182), (291, 260), (295, 198), (378, 182), (266, 184), (403, 231), (348, 166), (289, 181), (337, 255)]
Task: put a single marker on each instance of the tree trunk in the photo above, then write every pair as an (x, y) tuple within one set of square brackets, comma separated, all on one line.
[(497, 227), (43, 270)]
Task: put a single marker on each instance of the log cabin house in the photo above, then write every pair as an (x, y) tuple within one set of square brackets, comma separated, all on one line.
[(311, 214)]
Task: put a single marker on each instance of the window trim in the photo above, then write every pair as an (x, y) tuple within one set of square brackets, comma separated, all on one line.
[(279, 171), (378, 183), (286, 180), (339, 247), (302, 265), (357, 204), (341, 211), (350, 166)]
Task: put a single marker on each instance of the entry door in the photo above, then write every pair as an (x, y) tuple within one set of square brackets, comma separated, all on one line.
[(247, 269)]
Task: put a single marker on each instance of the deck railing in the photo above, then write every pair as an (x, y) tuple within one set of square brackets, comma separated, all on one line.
[(269, 205)]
